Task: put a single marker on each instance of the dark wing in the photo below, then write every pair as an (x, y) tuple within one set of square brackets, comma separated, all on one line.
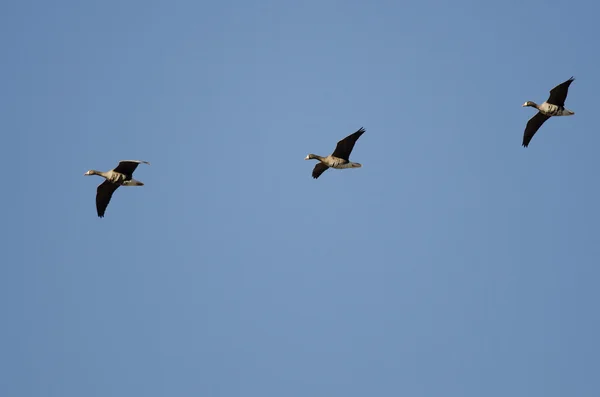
[(345, 146), (127, 167), (558, 94), (318, 170), (103, 194), (533, 125)]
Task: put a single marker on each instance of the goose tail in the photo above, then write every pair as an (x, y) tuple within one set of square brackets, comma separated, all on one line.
[(133, 182)]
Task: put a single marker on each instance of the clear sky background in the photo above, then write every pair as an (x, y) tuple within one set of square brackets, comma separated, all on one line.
[(453, 263)]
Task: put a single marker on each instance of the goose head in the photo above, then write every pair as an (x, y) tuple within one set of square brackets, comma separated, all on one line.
[(356, 165), (530, 103), (310, 156)]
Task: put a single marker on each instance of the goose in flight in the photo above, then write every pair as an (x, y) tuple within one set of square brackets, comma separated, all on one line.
[(554, 106), (339, 158), (122, 175)]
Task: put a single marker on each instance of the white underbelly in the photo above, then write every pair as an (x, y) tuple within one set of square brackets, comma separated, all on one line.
[(342, 165)]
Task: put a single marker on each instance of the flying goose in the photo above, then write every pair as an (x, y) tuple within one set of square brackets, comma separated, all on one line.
[(554, 106), (120, 176), (339, 158)]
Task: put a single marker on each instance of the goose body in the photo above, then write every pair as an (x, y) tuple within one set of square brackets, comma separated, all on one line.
[(339, 159), (553, 107), (551, 110), (122, 175)]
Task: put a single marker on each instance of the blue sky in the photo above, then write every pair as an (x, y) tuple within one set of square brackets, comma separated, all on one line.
[(453, 263)]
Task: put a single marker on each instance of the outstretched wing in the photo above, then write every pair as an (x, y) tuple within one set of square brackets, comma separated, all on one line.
[(103, 195), (558, 94), (533, 125), (345, 146), (127, 167), (318, 170)]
